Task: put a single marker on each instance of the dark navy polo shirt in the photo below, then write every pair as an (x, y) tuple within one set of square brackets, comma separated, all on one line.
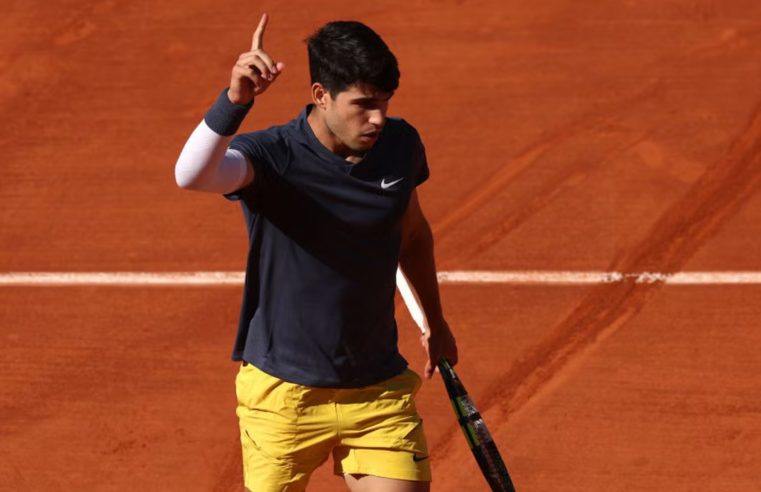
[(324, 237)]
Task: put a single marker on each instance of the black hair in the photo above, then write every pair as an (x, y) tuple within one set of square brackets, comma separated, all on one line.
[(343, 53)]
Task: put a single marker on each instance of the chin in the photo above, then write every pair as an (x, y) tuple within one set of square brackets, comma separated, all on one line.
[(363, 148), (364, 144)]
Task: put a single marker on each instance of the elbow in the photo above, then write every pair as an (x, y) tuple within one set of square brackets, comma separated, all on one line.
[(184, 179)]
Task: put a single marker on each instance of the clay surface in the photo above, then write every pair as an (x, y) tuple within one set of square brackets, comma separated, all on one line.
[(561, 135)]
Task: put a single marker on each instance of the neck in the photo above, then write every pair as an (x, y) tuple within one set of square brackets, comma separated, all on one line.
[(329, 140)]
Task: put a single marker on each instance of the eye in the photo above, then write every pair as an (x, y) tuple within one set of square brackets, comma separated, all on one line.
[(367, 104)]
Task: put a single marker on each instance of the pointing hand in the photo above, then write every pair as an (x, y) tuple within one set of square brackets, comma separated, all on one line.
[(255, 70)]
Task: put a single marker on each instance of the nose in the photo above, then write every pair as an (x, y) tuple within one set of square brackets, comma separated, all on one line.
[(376, 118)]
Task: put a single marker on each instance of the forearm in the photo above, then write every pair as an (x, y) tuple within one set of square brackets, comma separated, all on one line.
[(205, 163), (419, 266)]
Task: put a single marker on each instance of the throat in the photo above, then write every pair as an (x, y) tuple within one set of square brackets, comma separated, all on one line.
[(355, 159), (330, 141)]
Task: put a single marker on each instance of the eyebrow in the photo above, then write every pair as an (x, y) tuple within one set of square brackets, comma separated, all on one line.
[(371, 98)]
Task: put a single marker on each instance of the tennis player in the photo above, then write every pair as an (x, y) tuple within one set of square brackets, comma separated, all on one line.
[(331, 209)]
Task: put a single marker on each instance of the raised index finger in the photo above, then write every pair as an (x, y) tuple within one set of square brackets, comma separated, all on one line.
[(257, 42)]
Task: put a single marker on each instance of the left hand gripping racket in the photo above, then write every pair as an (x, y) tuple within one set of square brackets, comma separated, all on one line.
[(473, 426)]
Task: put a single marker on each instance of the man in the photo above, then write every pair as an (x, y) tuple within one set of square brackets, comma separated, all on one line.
[(331, 209)]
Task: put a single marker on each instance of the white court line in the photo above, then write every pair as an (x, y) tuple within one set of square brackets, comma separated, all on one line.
[(446, 277), (121, 278), (592, 277)]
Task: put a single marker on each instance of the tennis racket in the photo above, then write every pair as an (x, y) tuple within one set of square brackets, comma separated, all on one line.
[(473, 426)]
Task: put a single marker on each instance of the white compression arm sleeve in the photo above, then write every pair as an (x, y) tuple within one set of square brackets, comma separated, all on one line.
[(206, 164)]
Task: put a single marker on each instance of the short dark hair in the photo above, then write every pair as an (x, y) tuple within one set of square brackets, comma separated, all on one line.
[(343, 53)]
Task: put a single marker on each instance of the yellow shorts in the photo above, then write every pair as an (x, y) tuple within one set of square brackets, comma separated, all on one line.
[(288, 430)]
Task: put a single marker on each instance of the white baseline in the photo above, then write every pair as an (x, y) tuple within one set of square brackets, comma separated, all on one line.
[(536, 277)]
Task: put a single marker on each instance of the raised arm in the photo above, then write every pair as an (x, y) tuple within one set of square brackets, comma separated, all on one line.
[(205, 163)]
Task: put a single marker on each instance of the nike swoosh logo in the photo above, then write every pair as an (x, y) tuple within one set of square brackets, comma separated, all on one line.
[(386, 186), (419, 458)]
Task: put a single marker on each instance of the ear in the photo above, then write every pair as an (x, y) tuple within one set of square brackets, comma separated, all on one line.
[(320, 95)]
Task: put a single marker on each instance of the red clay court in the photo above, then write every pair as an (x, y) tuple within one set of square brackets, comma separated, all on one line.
[(610, 144)]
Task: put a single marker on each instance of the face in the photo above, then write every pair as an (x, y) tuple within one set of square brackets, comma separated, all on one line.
[(355, 118)]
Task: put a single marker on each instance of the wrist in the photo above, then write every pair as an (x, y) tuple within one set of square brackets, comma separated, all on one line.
[(236, 98), (225, 116)]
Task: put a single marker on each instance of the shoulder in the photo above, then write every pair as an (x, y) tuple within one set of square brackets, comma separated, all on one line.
[(269, 147), (401, 128), (405, 136), (272, 136), (406, 139)]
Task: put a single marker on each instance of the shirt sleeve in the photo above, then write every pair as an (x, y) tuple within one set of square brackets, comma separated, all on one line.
[(420, 162), (237, 146), (260, 149), (249, 146)]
